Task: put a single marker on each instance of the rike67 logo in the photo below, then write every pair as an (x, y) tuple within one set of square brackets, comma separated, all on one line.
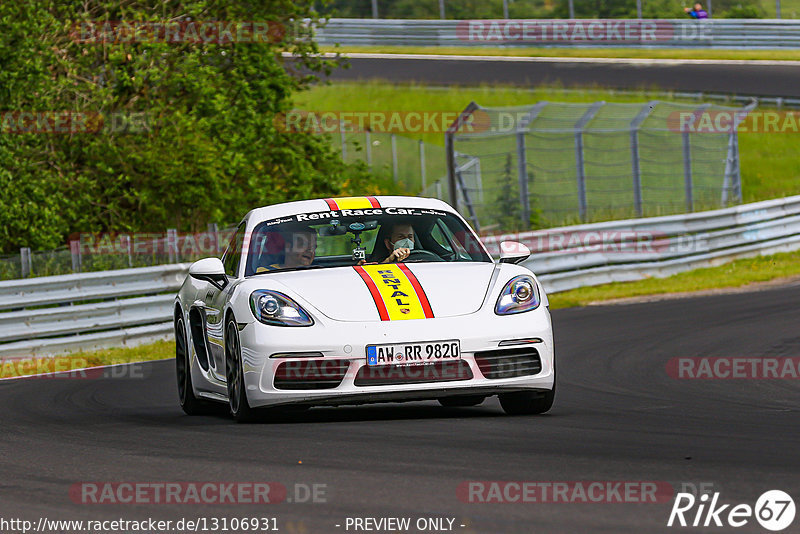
[(774, 510)]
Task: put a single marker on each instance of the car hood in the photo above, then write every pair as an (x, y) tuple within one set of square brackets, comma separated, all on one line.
[(383, 292)]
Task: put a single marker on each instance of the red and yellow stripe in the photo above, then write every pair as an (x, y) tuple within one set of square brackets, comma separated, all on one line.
[(352, 203), (397, 293)]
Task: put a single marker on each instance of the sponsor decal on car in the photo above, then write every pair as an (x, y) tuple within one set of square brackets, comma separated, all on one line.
[(352, 203), (396, 291)]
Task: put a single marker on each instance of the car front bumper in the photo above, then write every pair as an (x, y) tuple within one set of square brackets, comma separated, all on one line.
[(344, 344)]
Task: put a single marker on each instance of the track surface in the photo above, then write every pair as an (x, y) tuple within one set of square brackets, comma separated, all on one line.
[(743, 78), (618, 416)]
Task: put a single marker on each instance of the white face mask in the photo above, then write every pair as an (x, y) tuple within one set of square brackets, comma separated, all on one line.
[(404, 243)]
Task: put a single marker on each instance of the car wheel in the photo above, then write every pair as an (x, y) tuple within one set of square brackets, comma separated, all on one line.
[(237, 394), (528, 402), (190, 404), (461, 401)]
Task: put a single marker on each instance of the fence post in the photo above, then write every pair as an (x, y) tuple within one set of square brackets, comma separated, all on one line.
[(422, 164), (25, 261), (213, 229), (571, 9), (344, 140), (172, 245), (450, 152), (129, 249), (522, 162), (636, 169), (368, 143), (580, 125), (687, 159), (441, 9), (75, 252), (374, 9), (394, 158), (505, 9)]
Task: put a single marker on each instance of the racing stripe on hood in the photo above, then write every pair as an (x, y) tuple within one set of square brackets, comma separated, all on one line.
[(397, 293), (352, 203)]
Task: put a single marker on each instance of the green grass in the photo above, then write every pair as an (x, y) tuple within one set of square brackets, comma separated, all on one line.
[(81, 360), (735, 274), (639, 53)]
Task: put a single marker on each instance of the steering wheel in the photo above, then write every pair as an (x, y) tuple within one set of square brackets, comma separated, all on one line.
[(418, 254)]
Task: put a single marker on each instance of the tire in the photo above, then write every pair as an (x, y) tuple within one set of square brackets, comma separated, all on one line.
[(462, 401), (528, 402), (190, 404), (237, 394)]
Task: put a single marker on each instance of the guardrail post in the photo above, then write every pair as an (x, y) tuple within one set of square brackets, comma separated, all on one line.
[(25, 261), (636, 170), (422, 164), (580, 125), (75, 252), (394, 158), (172, 245)]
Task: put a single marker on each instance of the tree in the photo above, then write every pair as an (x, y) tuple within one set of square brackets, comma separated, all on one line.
[(205, 144)]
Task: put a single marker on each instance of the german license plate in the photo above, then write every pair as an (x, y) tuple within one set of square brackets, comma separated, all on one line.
[(413, 353)]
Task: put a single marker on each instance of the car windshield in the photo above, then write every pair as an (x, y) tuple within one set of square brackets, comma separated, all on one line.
[(353, 237)]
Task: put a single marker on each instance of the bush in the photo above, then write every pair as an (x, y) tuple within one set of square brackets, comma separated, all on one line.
[(207, 148)]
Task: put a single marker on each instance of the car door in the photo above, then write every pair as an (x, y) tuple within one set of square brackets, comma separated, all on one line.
[(215, 300)]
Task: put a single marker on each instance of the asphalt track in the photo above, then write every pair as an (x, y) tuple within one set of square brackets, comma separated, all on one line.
[(759, 78), (617, 416)]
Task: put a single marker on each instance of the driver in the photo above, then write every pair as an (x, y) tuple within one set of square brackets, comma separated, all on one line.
[(299, 249), (400, 242)]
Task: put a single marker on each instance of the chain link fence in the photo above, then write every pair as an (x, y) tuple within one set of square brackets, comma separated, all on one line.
[(553, 164)]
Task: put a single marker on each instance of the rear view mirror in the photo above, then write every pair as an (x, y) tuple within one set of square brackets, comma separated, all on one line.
[(513, 252), (209, 270)]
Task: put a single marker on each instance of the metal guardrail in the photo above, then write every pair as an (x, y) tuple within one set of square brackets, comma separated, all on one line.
[(660, 33), (89, 311), (620, 251)]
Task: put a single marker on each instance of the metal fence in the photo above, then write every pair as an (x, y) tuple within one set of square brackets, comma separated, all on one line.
[(131, 306), (661, 33), (551, 164), (102, 252), (411, 163)]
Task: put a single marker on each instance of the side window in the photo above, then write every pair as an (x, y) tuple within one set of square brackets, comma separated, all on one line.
[(234, 252), (438, 234)]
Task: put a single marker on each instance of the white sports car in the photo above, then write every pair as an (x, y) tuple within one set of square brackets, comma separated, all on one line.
[(360, 300)]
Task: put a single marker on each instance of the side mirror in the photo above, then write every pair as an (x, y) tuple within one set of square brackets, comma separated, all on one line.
[(513, 252), (209, 270)]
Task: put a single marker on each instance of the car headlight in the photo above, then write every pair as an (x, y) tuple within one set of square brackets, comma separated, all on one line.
[(519, 295), (271, 307)]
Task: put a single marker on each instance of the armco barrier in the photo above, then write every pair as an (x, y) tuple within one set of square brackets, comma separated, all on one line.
[(659, 33), (131, 306)]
